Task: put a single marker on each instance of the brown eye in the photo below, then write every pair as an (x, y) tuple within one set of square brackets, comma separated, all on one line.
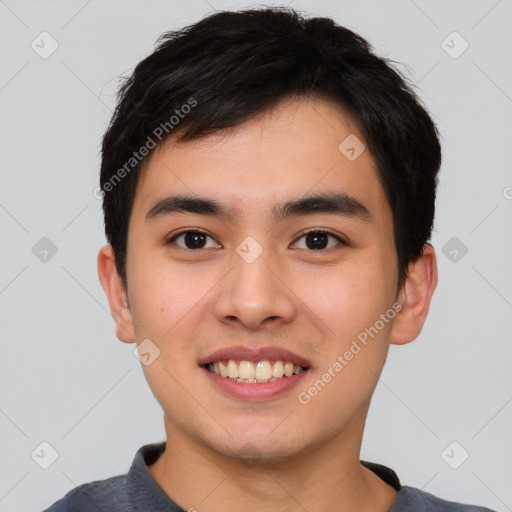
[(193, 240), (317, 240)]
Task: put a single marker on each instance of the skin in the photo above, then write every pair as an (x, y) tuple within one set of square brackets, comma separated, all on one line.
[(276, 454)]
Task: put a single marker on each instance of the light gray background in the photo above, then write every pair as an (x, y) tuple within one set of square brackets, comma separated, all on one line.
[(67, 380)]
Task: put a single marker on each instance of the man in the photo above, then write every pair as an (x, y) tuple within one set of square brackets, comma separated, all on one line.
[(269, 188)]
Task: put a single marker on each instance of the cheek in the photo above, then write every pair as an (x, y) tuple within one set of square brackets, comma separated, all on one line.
[(346, 299), (349, 303), (167, 309), (167, 296)]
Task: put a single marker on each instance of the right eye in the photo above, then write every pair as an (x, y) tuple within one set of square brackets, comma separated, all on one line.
[(192, 240)]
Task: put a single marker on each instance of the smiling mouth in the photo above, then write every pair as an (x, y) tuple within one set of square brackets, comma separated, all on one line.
[(259, 372)]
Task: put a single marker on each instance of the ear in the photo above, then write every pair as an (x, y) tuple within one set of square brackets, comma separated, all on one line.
[(116, 294), (415, 296)]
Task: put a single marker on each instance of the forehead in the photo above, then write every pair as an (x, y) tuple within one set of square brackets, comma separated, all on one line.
[(300, 147)]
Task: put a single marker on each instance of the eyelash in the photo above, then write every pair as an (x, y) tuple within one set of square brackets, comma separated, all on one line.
[(304, 233)]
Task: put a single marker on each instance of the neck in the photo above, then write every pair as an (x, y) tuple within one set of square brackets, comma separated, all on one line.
[(321, 478)]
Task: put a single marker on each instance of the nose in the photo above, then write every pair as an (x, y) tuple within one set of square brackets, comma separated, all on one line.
[(255, 295)]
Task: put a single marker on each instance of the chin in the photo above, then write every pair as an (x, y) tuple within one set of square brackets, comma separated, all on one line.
[(252, 454), (257, 446)]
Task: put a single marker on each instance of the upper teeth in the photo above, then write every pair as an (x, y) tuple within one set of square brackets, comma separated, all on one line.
[(262, 371)]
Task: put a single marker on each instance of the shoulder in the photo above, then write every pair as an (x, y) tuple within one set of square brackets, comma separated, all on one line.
[(110, 494), (135, 490), (410, 498)]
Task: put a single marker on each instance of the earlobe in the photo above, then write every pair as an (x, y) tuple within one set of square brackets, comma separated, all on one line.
[(414, 297), (116, 294)]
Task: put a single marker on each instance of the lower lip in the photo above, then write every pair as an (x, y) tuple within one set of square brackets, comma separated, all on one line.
[(255, 391)]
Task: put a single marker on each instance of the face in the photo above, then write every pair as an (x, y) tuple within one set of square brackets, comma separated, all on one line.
[(252, 269)]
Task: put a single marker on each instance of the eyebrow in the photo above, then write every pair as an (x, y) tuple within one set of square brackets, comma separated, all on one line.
[(336, 203)]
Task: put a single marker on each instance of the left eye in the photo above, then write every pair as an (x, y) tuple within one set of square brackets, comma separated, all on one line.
[(193, 240), (315, 240)]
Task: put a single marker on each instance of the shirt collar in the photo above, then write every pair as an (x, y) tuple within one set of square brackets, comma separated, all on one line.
[(145, 491)]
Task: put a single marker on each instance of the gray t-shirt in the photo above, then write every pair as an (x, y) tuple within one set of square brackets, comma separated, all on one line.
[(137, 491)]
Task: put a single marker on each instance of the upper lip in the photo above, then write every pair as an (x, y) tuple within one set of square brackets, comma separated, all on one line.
[(242, 353)]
